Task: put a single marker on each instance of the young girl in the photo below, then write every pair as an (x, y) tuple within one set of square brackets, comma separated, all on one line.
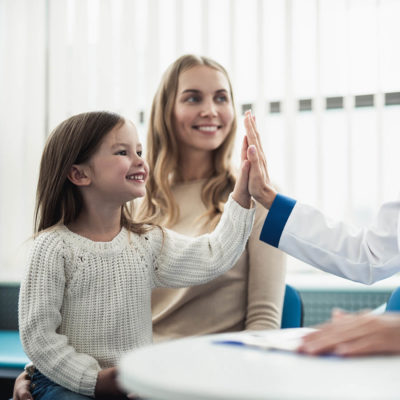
[(86, 297)]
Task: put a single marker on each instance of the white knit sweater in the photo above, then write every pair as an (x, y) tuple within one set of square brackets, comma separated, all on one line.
[(83, 303)]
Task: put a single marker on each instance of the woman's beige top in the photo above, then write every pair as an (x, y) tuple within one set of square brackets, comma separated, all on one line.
[(249, 296)]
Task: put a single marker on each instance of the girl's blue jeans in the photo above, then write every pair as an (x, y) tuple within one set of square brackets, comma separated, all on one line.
[(43, 388)]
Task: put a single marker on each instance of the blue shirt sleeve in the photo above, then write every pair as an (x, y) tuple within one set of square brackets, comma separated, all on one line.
[(276, 219)]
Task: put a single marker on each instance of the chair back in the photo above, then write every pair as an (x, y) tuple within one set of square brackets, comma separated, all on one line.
[(9, 306), (12, 356), (393, 303), (292, 312)]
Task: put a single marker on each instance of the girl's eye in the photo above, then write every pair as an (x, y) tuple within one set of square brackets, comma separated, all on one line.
[(139, 153), (122, 153)]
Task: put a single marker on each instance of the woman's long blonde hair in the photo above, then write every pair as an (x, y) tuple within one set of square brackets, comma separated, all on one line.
[(74, 141), (162, 152)]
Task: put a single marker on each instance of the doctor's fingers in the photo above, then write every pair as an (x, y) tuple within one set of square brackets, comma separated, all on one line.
[(370, 343)]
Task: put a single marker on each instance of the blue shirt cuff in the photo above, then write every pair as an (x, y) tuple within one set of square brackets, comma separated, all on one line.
[(276, 219)]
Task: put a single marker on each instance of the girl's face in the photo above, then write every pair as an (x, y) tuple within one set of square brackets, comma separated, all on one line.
[(203, 111), (117, 170)]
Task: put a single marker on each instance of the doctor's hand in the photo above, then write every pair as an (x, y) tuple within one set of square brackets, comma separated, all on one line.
[(355, 335), (259, 183)]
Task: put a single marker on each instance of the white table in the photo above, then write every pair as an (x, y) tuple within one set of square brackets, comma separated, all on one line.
[(199, 368)]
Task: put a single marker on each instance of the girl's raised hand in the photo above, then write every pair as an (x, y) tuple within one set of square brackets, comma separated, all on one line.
[(259, 183), (241, 191)]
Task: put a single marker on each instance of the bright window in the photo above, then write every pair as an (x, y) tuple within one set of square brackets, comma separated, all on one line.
[(321, 75)]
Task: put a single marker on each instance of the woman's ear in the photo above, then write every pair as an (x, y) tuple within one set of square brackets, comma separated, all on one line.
[(78, 176)]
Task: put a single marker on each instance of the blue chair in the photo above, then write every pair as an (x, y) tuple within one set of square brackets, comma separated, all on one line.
[(12, 356), (292, 312), (393, 303)]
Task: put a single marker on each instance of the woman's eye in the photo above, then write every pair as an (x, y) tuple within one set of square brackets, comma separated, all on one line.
[(122, 153), (222, 99), (193, 99)]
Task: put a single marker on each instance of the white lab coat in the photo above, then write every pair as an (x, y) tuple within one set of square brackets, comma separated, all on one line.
[(362, 255)]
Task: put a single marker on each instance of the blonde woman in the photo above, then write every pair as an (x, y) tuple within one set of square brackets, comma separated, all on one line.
[(190, 141)]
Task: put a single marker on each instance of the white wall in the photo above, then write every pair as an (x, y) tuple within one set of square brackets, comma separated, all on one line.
[(61, 57)]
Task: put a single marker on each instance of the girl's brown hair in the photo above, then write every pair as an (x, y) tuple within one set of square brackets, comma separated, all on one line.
[(74, 141), (162, 152)]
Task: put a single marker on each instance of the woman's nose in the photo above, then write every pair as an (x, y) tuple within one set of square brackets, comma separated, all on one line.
[(209, 109)]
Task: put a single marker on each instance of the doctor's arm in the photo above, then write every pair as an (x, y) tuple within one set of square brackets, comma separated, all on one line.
[(363, 255)]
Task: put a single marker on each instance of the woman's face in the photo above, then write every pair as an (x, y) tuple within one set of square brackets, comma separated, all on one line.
[(203, 111)]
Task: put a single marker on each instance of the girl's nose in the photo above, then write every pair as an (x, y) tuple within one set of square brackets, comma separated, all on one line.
[(138, 161)]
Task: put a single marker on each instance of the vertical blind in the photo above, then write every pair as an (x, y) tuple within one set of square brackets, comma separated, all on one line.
[(321, 76)]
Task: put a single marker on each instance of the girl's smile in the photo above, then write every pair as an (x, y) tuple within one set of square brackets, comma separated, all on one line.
[(117, 171), (141, 178)]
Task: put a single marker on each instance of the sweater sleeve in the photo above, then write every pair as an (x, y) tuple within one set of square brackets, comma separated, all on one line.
[(361, 255), (40, 301), (185, 261), (266, 280)]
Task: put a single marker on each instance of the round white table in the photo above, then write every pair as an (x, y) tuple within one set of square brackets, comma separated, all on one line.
[(204, 368)]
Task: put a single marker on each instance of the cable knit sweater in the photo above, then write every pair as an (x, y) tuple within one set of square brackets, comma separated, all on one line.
[(83, 303)]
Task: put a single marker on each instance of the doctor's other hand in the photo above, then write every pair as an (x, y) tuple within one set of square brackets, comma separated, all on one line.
[(355, 335)]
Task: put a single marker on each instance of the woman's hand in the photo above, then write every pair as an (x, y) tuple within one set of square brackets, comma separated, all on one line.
[(241, 191), (106, 385), (355, 335), (21, 387)]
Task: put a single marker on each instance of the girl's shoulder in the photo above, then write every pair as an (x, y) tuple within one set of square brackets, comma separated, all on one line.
[(47, 241), (49, 234), (149, 242)]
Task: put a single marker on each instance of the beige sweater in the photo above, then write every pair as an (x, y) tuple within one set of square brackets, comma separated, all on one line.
[(83, 303), (249, 296)]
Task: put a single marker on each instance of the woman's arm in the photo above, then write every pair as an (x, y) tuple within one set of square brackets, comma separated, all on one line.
[(266, 280)]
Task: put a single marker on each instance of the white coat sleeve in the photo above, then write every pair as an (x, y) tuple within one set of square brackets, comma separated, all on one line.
[(363, 255)]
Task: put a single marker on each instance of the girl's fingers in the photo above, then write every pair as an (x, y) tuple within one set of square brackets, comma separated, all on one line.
[(254, 136), (245, 145), (252, 139), (255, 131), (257, 139), (252, 156)]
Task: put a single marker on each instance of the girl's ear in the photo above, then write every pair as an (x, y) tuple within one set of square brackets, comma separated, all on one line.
[(77, 175)]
